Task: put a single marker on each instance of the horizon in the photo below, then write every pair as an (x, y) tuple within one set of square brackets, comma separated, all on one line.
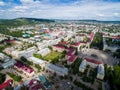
[(63, 19), (102, 10)]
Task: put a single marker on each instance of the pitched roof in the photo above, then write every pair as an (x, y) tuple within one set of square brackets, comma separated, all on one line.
[(72, 58), (76, 44), (23, 67), (58, 46), (115, 37), (92, 60), (63, 43), (5, 84)]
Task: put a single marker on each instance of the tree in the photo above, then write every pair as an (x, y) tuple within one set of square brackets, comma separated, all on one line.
[(9, 88), (97, 41), (50, 48), (85, 39), (117, 76), (2, 78)]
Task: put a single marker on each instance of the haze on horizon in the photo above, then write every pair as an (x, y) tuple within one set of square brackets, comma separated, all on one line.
[(107, 10)]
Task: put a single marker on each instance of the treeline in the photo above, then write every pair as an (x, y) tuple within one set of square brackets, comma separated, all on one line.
[(113, 77), (13, 33), (97, 41), (22, 21)]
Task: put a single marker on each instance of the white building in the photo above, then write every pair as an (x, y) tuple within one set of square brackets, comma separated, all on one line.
[(2, 56), (62, 71), (26, 53), (100, 73), (82, 66), (8, 64), (44, 52), (41, 62)]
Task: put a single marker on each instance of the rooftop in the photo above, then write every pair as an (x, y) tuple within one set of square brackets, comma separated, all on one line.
[(93, 60)]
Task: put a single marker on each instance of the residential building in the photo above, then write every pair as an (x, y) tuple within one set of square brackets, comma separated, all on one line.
[(92, 62), (61, 71), (25, 69), (8, 64), (101, 72), (82, 66), (41, 62), (44, 51)]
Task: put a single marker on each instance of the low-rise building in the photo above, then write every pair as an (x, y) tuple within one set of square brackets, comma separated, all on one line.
[(6, 84), (58, 48), (61, 71), (82, 66), (8, 64), (92, 62), (44, 52), (100, 73), (25, 69), (41, 62)]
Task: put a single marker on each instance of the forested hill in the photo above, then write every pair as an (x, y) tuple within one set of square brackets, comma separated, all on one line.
[(22, 21)]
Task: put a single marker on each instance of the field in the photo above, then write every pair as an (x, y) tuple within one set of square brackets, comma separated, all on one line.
[(52, 56)]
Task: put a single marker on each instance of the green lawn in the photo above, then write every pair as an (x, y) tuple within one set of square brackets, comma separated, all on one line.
[(52, 56)]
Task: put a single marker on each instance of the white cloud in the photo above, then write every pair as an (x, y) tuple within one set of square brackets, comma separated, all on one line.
[(101, 15), (90, 9), (116, 14), (2, 3)]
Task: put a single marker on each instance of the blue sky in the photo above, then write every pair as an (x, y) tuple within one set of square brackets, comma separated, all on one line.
[(61, 9)]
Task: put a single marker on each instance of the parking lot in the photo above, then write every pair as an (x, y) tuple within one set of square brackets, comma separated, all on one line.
[(105, 57)]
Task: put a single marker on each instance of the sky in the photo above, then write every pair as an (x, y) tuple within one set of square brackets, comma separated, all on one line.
[(105, 10)]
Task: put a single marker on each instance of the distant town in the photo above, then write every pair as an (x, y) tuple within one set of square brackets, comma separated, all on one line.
[(59, 55)]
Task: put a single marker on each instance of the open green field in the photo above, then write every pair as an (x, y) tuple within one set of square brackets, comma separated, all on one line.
[(52, 56)]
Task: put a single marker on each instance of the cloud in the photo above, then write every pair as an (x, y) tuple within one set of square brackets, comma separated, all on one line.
[(26, 1), (116, 14), (101, 15), (79, 9), (2, 3)]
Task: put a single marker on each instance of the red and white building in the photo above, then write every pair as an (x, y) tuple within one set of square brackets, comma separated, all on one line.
[(25, 69), (6, 84), (58, 48), (92, 62)]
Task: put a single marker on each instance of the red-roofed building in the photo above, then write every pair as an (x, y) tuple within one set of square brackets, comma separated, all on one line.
[(6, 84), (115, 37), (35, 85), (63, 43), (92, 36), (58, 48), (9, 41), (77, 45), (71, 59), (92, 62), (25, 69)]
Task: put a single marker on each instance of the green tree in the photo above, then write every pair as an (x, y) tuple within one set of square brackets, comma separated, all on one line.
[(2, 78)]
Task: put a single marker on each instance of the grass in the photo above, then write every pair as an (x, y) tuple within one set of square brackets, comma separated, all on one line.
[(53, 55)]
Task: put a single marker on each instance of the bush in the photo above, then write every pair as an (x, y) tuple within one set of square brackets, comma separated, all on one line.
[(15, 77)]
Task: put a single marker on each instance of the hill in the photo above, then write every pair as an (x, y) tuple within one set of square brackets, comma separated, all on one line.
[(22, 21)]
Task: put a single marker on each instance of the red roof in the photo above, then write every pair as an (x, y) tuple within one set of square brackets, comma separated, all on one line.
[(92, 36), (23, 67), (63, 43), (93, 61), (80, 34), (47, 31), (71, 51), (35, 85), (6, 84), (9, 41), (72, 58), (115, 37), (62, 47), (76, 44)]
